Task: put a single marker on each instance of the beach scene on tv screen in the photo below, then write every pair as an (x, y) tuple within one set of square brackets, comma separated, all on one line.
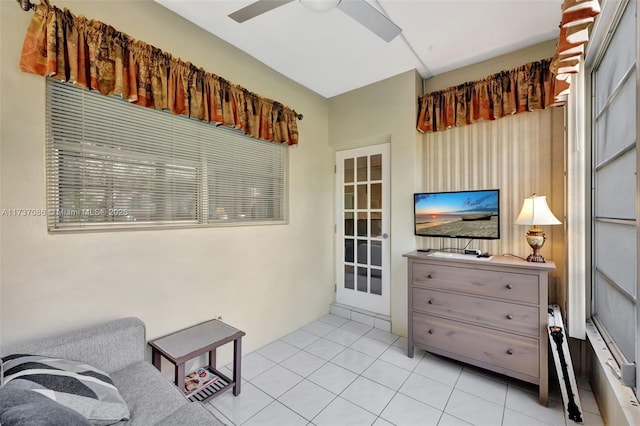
[(472, 214)]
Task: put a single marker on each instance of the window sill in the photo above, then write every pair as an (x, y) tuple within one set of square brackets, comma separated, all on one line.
[(618, 404)]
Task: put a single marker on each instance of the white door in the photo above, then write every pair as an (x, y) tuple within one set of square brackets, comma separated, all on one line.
[(362, 228)]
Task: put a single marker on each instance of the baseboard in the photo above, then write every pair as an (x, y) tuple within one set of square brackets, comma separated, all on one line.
[(382, 322)]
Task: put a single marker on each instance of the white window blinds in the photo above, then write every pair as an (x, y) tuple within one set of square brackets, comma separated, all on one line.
[(115, 165)]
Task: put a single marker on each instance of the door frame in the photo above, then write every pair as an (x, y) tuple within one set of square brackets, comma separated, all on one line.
[(372, 304)]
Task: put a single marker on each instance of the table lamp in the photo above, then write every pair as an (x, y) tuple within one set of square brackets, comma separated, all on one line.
[(535, 211)]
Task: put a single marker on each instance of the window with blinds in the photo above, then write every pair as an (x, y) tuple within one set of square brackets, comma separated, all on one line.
[(113, 165)]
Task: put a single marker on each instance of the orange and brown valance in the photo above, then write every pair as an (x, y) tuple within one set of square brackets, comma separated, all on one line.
[(525, 88), (96, 56), (532, 86)]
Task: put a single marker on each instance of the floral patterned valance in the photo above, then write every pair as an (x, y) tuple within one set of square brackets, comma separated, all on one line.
[(95, 56), (525, 88)]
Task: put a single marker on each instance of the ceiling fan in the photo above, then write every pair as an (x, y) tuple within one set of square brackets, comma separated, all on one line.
[(359, 10)]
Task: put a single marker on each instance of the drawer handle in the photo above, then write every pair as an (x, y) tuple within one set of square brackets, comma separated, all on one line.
[(430, 276), (510, 351), (509, 317), (430, 331), (509, 286)]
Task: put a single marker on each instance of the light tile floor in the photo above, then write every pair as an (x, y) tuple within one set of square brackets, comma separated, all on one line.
[(336, 372)]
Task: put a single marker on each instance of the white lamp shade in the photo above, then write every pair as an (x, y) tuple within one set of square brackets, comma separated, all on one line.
[(320, 5), (535, 211)]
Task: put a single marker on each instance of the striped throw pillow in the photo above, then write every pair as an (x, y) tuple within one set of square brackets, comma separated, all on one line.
[(76, 385)]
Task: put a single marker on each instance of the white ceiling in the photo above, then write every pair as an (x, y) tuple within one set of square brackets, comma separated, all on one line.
[(330, 53)]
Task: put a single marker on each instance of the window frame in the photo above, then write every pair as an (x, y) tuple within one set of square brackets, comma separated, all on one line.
[(603, 33)]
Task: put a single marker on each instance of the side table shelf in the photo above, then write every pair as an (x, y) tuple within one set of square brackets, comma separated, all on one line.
[(208, 392), (183, 345)]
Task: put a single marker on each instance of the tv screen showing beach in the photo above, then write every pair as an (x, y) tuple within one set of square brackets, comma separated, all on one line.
[(463, 214)]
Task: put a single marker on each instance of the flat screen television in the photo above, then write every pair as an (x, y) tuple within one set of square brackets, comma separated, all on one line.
[(459, 214)]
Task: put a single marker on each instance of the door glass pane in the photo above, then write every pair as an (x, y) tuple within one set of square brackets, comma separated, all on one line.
[(362, 279), (348, 250), (348, 223), (376, 225), (376, 196), (363, 249), (376, 253), (362, 169), (348, 170), (376, 281), (376, 167), (362, 197), (362, 224), (348, 276), (348, 197)]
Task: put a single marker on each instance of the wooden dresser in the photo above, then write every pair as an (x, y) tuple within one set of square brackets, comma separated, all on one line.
[(489, 313)]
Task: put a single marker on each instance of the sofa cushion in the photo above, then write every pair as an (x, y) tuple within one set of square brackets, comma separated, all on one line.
[(109, 346), (28, 408), (150, 395), (76, 385)]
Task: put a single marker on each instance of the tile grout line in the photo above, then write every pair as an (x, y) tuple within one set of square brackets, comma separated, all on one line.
[(453, 388), (396, 392), (378, 358), (305, 377), (358, 375), (504, 404)]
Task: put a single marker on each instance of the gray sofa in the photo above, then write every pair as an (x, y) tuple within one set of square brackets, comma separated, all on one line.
[(118, 347)]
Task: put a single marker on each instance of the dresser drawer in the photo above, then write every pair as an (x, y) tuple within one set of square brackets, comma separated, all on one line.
[(502, 350), (492, 313), (499, 284)]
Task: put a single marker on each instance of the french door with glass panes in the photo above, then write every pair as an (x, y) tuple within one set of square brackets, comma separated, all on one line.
[(362, 228)]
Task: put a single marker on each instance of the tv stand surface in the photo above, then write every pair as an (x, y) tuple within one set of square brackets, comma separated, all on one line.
[(489, 312), (449, 255)]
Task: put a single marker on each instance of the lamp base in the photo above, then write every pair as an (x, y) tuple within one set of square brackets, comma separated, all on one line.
[(535, 258), (536, 239)]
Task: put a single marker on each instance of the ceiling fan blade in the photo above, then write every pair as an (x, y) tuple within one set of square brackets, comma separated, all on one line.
[(256, 8), (371, 18)]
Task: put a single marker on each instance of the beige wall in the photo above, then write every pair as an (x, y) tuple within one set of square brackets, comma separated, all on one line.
[(266, 280), (386, 111), (485, 68)]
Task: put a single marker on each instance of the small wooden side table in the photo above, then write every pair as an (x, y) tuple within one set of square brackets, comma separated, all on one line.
[(183, 345)]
